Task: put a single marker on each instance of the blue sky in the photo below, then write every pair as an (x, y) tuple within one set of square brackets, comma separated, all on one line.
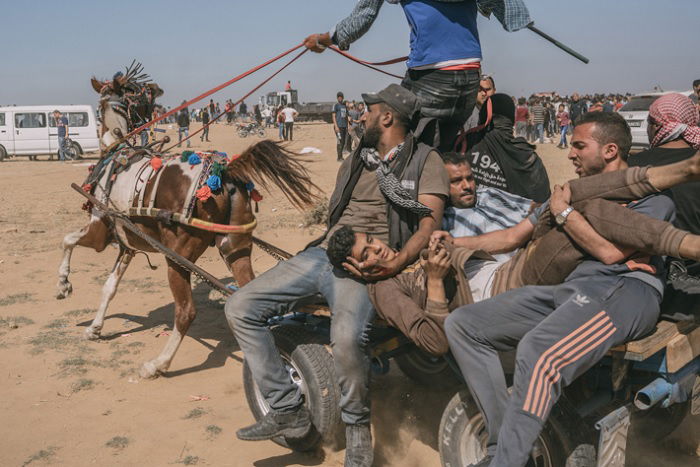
[(52, 48)]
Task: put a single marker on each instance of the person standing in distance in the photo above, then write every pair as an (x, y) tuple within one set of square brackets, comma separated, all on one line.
[(62, 127), (340, 123)]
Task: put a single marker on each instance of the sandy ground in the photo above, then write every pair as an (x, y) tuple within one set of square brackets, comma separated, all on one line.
[(67, 401)]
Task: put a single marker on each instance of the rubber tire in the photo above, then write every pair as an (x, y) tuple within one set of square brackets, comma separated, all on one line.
[(427, 370), (3, 153), (261, 132), (78, 151), (242, 133), (322, 396), (555, 438), (73, 152)]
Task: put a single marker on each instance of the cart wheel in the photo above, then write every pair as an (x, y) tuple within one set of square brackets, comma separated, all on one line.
[(463, 437), (3, 153), (426, 369), (310, 367)]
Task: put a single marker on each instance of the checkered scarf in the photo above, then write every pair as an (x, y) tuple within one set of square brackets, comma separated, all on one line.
[(678, 117), (389, 185)]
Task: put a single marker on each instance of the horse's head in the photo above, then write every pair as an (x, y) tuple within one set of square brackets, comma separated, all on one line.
[(113, 108)]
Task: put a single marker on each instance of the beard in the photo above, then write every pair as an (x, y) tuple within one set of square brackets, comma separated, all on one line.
[(372, 136)]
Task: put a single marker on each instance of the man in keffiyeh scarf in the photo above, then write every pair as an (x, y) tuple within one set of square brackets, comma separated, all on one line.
[(673, 116)]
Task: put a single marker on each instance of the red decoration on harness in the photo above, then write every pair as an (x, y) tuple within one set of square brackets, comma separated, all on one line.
[(87, 188), (156, 163), (255, 195), (203, 193)]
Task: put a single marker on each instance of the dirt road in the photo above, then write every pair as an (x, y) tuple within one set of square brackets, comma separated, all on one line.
[(67, 401)]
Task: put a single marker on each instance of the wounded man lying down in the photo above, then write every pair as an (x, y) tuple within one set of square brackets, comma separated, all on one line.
[(418, 300)]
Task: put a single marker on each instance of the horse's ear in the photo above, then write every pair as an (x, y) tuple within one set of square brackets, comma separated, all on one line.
[(155, 90), (96, 85)]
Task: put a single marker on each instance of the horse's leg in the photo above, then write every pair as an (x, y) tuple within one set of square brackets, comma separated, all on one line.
[(179, 280), (235, 251), (65, 288), (95, 235), (108, 291)]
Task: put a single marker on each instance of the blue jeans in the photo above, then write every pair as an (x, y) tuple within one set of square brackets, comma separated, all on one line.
[(564, 129), (539, 132), (61, 146), (275, 292), (183, 131), (448, 96), (280, 125)]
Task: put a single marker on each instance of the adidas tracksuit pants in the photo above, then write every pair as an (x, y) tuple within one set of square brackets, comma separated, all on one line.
[(559, 331)]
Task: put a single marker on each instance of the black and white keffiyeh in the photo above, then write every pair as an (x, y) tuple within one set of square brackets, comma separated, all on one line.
[(389, 185)]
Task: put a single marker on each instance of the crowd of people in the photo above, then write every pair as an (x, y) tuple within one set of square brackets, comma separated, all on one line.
[(500, 260)]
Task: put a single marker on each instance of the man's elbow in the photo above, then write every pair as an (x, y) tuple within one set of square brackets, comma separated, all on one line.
[(610, 257)]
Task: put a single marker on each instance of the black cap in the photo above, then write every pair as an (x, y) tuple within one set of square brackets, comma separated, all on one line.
[(340, 94), (397, 97)]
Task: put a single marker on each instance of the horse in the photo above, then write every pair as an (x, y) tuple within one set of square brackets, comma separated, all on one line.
[(263, 163)]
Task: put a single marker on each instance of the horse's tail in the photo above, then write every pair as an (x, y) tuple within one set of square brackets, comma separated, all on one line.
[(266, 162)]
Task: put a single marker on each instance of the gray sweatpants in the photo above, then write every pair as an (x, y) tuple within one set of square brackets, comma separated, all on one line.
[(560, 331)]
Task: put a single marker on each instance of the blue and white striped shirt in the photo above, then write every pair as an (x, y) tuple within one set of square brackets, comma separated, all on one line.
[(494, 210)]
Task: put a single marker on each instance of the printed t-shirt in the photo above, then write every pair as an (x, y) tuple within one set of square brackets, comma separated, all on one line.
[(61, 125), (341, 115)]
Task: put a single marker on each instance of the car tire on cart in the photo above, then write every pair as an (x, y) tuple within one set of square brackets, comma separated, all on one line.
[(426, 369), (311, 367), (3, 153), (261, 132), (463, 437)]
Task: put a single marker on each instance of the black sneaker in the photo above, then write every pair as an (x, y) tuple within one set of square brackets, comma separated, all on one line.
[(358, 446), (287, 424), (485, 462)]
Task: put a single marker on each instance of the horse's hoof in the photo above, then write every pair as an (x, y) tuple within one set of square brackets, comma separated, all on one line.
[(64, 290), (149, 371), (91, 334)]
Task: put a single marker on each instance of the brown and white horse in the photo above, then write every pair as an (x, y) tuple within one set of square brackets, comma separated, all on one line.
[(262, 163)]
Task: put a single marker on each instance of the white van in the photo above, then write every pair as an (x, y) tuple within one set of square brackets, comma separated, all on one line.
[(31, 130)]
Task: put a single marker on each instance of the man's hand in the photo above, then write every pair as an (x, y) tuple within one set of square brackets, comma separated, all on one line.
[(440, 236), (560, 200), (372, 270), (318, 42), (437, 264), (336, 129)]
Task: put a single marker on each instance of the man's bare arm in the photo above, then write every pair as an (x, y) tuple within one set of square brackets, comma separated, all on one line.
[(500, 241)]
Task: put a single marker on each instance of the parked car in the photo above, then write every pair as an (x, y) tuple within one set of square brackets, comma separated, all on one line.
[(31, 130), (636, 111)]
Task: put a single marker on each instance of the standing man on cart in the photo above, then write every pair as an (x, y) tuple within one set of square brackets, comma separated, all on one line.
[(445, 59)]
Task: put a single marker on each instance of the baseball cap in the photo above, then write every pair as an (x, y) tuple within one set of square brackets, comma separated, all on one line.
[(397, 97)]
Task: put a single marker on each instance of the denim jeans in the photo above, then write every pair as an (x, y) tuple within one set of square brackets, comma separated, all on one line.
[(341, 138), (275, 292), (564, 129), (539, 132), (61, 146), (521, 129), (280, 125), (448, 96), (180, 132)]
